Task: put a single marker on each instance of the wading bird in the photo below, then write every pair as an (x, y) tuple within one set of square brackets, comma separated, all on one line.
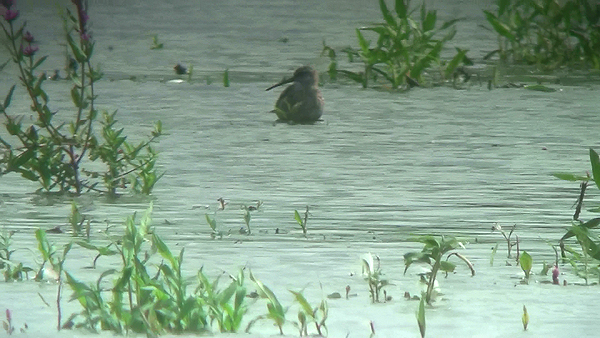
[(300, 102)]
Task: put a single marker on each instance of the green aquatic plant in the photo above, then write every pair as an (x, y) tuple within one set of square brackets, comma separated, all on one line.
[(61, 154), (143, 299), (53, 261), (228, 306), (11, 270), (307, 314), (547, 33), (302, 221), (404, 51), (212, 223), (155, 43), (586, 261), (507, 238), (526, 263), (276, 312), (371, 270), (434, 249)]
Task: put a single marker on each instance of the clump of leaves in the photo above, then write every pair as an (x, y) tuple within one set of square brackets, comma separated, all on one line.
[(434, 249), (227, 307), (405, 50), (547, 33)]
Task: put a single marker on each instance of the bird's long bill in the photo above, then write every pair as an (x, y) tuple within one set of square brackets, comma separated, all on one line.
[(284, 81)]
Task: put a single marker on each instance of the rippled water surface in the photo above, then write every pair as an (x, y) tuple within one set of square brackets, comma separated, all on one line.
[(381, 168)]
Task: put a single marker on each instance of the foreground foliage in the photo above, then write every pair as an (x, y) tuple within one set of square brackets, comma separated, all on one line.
[(585, 260), (60, 152)]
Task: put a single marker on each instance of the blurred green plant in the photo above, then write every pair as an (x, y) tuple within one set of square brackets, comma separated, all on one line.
[(53, 261), (547, 33), (212, 223), (140, 302), (276, 312), (302, 221), (226, 82), (228, 306), (59, 153), (155, 43), (421, 317), (307, 314), (405, 50), (509, 242), (434, 249), (526, 263), (525, 318), (586, 261), (12, 271), (373, 276)]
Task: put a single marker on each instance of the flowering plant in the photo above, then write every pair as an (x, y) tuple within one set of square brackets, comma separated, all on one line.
[(55, 154)]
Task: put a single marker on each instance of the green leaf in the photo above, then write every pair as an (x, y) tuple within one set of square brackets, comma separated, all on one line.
[(9, 97), (429, 22), (526, 263), (297, 217), (299, 297), (20, 160), (595, 161), (39, 62), (163, 249), (401, 9), (421, 317), (447, 266), (77, 52), (362, 42), (499, 27), (76, 97), (570, 177), (456, 60), (387, 16)]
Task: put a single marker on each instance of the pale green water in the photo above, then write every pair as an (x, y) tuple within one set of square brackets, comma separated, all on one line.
[(382, 167)]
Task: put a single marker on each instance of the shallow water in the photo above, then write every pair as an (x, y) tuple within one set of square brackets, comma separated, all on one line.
[(382, 168)]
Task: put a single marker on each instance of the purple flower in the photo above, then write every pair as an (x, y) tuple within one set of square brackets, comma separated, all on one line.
[(10, 15), (28, 37), (86, 37), (555, 274), (82, 14), (30, 50)]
